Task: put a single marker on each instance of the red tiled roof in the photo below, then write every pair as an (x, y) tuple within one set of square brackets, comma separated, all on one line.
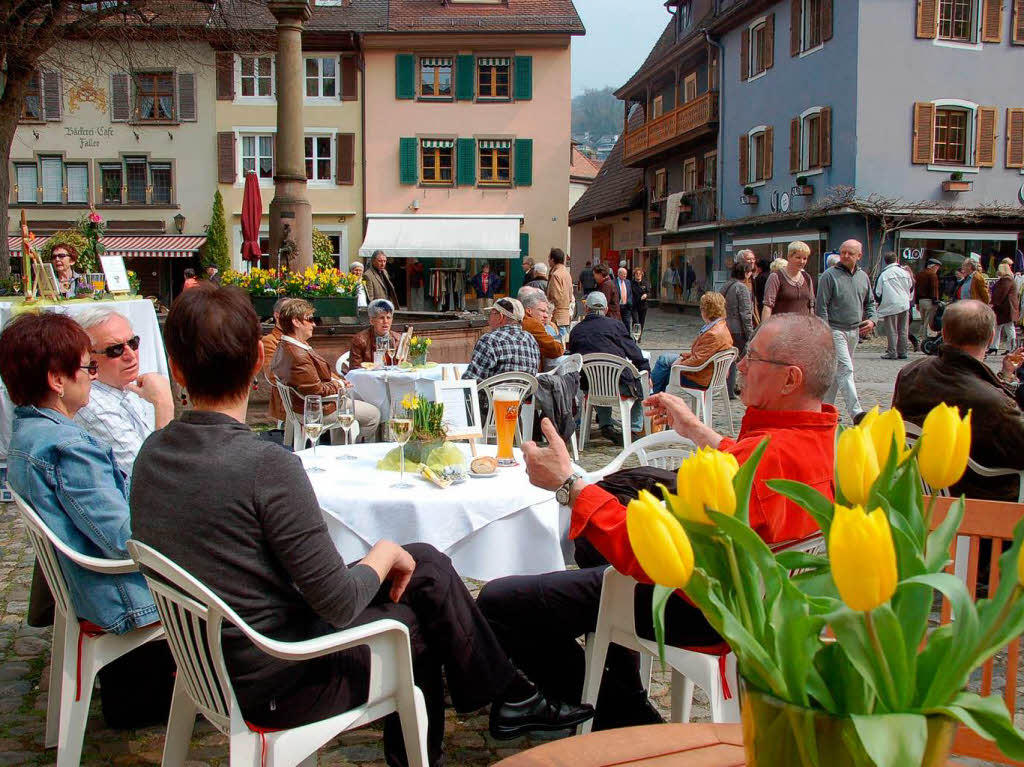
[(582, 166), (614, 189), (510, 16)]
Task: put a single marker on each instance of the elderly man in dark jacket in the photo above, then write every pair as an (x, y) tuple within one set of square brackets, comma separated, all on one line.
[(598, 333), (959, 376)]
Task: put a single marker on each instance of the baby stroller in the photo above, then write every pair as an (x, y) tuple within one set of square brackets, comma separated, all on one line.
[(931, 345)]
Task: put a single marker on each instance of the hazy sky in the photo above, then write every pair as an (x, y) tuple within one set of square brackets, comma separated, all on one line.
[(619, 36)]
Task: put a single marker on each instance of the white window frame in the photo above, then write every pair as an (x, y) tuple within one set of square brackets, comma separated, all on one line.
[(272, 98), (341, 232), (970, 164), (975, 44), (315, 133), (321, 99), (804, 50), (805, 152), (240, 134), (751, 173), (753, 26)]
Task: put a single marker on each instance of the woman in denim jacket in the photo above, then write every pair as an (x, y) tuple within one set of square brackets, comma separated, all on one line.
[(66, 475)]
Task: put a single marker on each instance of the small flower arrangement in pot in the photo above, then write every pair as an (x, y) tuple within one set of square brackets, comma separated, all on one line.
[(841, 662), (419, 349), (428, 445)]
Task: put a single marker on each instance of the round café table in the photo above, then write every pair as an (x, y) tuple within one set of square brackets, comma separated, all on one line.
[(489, 527), (383, 386)]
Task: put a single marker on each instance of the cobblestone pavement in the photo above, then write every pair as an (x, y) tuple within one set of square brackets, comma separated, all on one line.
[(24, 651)]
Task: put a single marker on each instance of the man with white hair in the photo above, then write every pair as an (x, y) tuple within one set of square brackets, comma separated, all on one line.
[(506, 348), (124, 407), (535, 313), (624, 289), (540, 277)]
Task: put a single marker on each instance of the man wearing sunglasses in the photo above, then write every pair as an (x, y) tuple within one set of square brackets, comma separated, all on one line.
[(124, 406)]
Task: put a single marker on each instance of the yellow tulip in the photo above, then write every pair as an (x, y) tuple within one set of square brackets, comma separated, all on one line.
[(945, 446), (884, 428), (704, 481), (857, 464), (862, 556), (661, 545)]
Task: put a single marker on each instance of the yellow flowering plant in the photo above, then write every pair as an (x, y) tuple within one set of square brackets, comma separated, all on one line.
[(885, 673), (314, 282)]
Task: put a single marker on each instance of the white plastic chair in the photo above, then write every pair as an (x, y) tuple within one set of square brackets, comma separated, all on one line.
[(603, 372), (194, 616), (711, 672), (293, 420), (525, 385), (664, 450), (705, 409), (566, 364), (341, 364), (78, 652)]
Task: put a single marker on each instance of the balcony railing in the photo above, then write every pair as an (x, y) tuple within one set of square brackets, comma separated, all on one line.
[(696, 207), (673, 127)]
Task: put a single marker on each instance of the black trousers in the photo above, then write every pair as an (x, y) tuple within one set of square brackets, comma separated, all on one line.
[(641, 314), (447, 632), (538, 619), (626, 313)]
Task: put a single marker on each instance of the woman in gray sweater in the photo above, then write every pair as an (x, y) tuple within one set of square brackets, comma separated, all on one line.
[(240, 515)]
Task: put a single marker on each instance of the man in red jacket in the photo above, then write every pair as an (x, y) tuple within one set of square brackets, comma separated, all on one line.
[(788, 367)]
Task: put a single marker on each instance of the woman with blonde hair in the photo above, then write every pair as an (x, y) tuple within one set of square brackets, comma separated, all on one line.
[(779, 263), (1005, 304), (790, 290)]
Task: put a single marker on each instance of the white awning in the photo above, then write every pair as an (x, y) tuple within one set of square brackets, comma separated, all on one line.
[(952, 234), (431, 236)]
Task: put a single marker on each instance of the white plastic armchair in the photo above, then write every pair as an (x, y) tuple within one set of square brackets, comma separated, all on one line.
[(525, 385), (78, 651), (603, 373), (665, 450), (342, 363), (721, 362), (293, 420), (194, 617)]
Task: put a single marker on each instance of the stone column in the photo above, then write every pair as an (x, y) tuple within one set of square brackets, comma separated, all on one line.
[(290, 207)]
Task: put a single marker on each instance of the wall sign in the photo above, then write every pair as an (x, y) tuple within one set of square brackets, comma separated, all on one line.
[(88, 137)]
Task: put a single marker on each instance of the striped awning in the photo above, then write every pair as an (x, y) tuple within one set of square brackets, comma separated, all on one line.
[(438, 143), (492, 62), (134, 246), (14, 243), (495, 143), (435, 61)]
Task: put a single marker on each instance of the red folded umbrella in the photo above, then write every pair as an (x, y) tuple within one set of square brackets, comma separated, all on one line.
[(252, 211)]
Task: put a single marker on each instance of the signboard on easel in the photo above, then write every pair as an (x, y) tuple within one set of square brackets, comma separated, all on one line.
[(116, 274)]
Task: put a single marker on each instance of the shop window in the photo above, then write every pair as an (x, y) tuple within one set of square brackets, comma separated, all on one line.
[(436, 161), (435, 78), (154, 96), (256, 76), (111, 181), (258, 155), (492, 77), (951, 136), (495, 162), (322, 77), (319, 158)]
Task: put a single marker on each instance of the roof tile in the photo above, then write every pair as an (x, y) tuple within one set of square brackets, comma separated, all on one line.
[(614, 189)]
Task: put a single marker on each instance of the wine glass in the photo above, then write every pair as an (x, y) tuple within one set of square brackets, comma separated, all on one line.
[(347, 419), (636, 331), (401, 430), (313, 424), (392, 350)]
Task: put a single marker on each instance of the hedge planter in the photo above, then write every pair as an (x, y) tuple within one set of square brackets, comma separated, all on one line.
[(957, 186), (342, 306)]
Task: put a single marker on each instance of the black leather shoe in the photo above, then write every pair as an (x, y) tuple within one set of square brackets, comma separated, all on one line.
[(611, 433), (510, 720)]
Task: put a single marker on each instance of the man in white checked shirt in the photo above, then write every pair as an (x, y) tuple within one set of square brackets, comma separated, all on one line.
[(124, 407)]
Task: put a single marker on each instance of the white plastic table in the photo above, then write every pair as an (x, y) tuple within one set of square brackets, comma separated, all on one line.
[(382, 387), (489, 527)]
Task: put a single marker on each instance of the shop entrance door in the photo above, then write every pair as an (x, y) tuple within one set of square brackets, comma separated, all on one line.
[(600, 242)]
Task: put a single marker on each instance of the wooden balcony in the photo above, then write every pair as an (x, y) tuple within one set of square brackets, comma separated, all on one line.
[(686, 122)]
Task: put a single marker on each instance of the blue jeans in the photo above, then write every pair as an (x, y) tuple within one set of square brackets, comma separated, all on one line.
[(663, 369), (636, 416)]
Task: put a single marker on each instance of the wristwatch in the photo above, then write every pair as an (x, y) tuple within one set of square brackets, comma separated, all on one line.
[(562, 493)]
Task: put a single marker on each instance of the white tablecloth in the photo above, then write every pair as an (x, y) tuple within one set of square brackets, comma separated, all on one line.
[(489, 527), (381, 387), (139, 311)]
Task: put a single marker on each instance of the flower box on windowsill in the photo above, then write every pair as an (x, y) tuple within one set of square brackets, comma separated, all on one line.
[(748, 199), (804, 190), (957, 186)]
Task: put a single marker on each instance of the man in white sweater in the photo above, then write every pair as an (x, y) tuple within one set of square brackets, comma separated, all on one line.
[(893, 290)]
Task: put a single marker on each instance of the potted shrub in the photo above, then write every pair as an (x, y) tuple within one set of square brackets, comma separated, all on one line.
[(748, 197), (802, 188), (957, 183)]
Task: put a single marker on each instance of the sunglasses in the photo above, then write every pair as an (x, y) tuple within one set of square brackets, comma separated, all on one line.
[(93, 367), (116, 350)]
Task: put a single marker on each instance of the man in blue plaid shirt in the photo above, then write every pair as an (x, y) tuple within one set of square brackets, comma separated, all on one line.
[(506, 347)]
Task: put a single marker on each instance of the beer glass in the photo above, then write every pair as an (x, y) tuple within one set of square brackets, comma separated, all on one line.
[(506, 415)]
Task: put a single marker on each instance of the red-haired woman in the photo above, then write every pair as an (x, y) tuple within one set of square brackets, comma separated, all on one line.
[(69, 282)]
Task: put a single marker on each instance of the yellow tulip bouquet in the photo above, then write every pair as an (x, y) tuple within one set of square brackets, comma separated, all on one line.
[(881, 690)]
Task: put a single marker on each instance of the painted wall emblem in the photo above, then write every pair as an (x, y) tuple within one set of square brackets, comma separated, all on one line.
[(87, 93)]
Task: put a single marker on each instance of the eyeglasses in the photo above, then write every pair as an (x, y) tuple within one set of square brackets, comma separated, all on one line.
[(308, 319), (55, 256), (93, 367), (751, 358), (116, 350)]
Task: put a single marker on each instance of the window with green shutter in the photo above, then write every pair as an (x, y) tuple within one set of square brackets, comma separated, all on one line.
[(407, 160), (405, 76), (524, 78), (466, 150), (524, 161), (464, 66)]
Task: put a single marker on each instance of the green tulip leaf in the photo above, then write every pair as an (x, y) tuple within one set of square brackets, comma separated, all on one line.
[(849, 689), (818, 689), (894, 649), (933, 657), (801, 560), (989, 718), (912, 604), (851, 630), (814, 503), (658, 601), (797, 640), (940, 539), (744, 480), (893, 740)]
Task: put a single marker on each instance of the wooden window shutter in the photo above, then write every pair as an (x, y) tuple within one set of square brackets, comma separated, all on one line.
[(927, 18), (1015, 138), (225, 76), (50, 84), (1017, 33), (745, 55), (524, 244), (524, 162), (187, 96), (985, 142), (407, 160), (466, 161), (744, 160), (769, 154), (769, 41), (825, 137), (225, 157), (345, 174), (796, 22), (924, 133), (349, 78), (524, 78), (120, 98), (405, 76), (826, 20), (992, 21), (794, 145), (465, 73)]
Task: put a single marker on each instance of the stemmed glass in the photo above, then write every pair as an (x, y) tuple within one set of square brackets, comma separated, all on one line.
[(636, 331), (313, 424), (347, 419), (392, 350), (401, 430)]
